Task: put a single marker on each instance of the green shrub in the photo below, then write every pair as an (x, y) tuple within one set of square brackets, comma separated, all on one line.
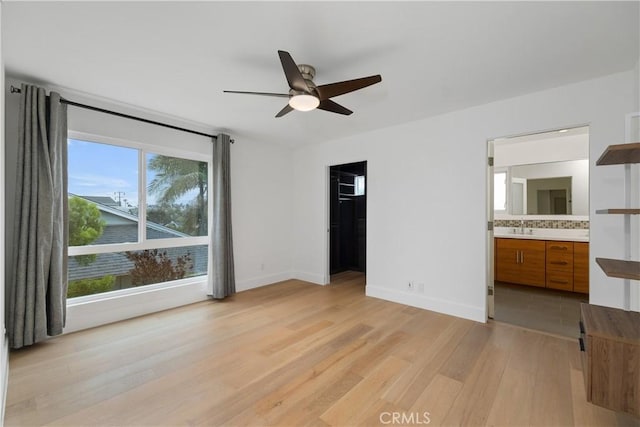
[(153, 266), (81, 287)]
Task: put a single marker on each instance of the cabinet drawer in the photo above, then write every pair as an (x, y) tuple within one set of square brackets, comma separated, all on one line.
[(560, 261), (559, 247), (560, 280)]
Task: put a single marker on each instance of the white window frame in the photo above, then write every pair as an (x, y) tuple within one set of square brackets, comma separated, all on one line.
[(143, 243)]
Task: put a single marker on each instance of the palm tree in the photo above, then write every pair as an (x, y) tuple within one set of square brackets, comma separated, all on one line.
[(176, 177)]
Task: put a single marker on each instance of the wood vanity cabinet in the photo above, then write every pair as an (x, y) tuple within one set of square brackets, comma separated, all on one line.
[(581, 267), (544, 263), (559, 265), (520, 261)]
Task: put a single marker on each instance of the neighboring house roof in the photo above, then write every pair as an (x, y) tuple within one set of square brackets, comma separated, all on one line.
[(126, 215), (118, 264), (103, 200)]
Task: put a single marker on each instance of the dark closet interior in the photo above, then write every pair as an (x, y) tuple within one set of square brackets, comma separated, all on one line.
[(348, 217)]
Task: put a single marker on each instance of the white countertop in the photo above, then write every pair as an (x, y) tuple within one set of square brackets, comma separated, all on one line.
[(570, 235)]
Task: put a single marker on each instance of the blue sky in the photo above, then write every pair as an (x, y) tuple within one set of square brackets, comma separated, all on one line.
[(103, 170)]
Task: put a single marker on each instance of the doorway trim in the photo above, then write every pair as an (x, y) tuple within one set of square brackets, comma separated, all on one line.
[(489, 284), (489, 288)]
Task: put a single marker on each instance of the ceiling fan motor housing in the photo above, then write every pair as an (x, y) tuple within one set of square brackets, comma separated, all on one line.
[(308, 73)]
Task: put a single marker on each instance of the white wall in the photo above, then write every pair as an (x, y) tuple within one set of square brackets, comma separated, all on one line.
[(578, 170), (542, 150), (427, 194), (261, 203), (261, 177)]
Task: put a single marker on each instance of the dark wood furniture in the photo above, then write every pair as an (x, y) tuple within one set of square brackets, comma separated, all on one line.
[(610, 349)]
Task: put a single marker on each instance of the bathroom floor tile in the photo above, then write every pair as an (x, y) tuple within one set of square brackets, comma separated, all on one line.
[(546, 310)]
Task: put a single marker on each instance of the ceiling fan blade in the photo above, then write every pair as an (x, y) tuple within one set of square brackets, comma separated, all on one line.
[(279, 95), (334, 89), (285, 110), (334, 107), (291, 71)]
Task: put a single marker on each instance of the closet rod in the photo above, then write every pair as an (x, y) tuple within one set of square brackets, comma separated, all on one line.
[(126, 116)]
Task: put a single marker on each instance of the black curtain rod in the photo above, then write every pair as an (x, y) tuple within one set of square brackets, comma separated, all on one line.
[(126, 116)]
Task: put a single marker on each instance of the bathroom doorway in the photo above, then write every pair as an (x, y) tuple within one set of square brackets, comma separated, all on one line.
[(347, 220), (539, 246)]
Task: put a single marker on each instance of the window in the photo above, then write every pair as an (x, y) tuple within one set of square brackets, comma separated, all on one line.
[(137, 216), (359, 185), (500, 191)]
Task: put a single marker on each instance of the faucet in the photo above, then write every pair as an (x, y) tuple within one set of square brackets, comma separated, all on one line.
[(522, 226)]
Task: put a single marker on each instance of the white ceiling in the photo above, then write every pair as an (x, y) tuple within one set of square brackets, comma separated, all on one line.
[(176, 58)]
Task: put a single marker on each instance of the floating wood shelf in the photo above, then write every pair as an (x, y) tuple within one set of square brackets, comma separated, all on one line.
[(620, 154), (620, 268), (619, 211)]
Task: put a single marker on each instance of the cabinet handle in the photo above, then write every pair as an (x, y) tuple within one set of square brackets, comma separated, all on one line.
[(559, 281), (522, 257), (517, 257), (558, 262), (581, 325), (581, 343), (561, 248)]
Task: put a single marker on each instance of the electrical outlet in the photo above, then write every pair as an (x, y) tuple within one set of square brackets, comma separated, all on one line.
[(420, 287), (410, 286)]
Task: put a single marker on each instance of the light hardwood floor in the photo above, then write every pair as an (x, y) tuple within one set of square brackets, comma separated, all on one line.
[(294, 354)]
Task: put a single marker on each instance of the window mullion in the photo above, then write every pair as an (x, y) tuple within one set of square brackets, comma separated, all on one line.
[(142, 197), (149, 244)]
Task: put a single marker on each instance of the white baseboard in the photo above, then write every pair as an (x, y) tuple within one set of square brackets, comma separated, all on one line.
[(88, 314), (318, 279), (257, 282), (428, 303)]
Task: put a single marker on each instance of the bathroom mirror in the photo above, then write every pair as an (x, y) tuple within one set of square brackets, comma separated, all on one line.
[(544, 196), (544, 174), (554, 188)]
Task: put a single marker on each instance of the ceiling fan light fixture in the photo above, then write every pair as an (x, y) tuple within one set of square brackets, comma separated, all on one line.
[(305, 95), (304, 102)]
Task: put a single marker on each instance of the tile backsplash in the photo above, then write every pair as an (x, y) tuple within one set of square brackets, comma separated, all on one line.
[(542, 223)]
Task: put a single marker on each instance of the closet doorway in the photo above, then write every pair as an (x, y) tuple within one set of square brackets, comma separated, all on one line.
[(347, 220)]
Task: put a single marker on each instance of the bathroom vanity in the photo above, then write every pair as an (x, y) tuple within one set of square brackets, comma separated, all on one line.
[(546, 259)]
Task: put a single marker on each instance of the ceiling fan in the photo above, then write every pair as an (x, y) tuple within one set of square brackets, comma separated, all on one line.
[(304, 95)]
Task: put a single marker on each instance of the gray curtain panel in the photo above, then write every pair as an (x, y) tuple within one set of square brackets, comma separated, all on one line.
[(222, 276), (36, 293)]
